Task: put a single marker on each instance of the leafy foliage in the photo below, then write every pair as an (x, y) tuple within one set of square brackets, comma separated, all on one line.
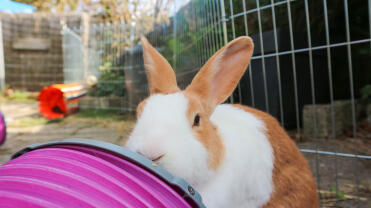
[(108, 10), (100, 114), (339, 194), (111, 82)]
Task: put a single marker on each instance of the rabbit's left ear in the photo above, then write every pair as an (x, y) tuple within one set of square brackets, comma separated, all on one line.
[(161, 77), (220, 75)]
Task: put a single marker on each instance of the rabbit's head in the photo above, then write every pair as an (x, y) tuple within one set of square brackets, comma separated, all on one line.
[(173, 127)]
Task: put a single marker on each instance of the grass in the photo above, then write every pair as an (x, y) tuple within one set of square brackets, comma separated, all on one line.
[(112, 119), (19, 96), (339, 194), (101, 114), (97, 116)]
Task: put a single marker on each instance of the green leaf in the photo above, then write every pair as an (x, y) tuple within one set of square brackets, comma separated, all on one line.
[(340, 195)]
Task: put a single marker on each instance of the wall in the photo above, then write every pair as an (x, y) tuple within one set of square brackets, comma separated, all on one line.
[(33, 49)]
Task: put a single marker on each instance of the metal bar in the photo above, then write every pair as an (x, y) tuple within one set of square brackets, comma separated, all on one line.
[(179, 33), (219, 24), (336, 154), (219, 39), (2, 62), (261, 8), (195, 42), (232, 18), (311, 66), (369, 18), (249, 66), (277, 63), (234, 36), (107, 38), (133, 33), (174, 37), (312, 91), (225, 37), (215, 22), (199, 40), (184, 32), (333, 124), (211, 38), (350, 67), (204, 38), (103, 48), (262, 59), (293, 68), (205, 54), (316, 48)]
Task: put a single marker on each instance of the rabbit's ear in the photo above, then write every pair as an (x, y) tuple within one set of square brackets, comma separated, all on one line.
[(220, 75), (161, 77)]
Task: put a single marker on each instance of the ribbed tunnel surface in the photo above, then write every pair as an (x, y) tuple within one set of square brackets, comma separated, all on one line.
[(78, 176), (2, 128)]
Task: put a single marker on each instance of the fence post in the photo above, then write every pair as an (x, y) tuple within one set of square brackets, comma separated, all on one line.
[(369, 17), (174, 37), (2, 63), (225, 36), (224, 21), (85, 42)]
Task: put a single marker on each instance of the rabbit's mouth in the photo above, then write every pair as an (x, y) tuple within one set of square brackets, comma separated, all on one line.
[(158, 158)]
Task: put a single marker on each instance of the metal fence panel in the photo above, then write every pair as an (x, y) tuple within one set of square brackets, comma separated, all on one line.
[(309, 64)]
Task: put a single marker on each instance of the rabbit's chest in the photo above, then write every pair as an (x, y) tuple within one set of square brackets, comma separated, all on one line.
[(245, 178)]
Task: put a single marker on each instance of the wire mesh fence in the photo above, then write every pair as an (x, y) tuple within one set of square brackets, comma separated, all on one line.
[(107, 57), (32, 47), (310, 62)]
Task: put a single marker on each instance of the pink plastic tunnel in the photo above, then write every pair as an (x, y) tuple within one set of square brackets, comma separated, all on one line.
[(87, 173), (2, 128)]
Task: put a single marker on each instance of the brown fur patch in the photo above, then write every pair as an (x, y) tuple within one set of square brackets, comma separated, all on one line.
[(294, 185), (206, 132), (211, 86), (161, 77), (140, 107), (219, 76)]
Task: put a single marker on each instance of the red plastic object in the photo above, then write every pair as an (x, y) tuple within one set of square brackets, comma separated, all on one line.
[(58, 100)]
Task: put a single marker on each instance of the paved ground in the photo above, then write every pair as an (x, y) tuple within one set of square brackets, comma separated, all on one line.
[(25, 127)]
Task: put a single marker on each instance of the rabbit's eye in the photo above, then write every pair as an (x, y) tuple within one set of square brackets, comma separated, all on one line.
[(196, 122)]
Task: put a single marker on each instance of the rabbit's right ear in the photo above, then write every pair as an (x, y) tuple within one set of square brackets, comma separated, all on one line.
[(161, 77), (221, 73)]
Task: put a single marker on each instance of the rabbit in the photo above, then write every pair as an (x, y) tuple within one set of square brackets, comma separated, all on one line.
[(233, 155)]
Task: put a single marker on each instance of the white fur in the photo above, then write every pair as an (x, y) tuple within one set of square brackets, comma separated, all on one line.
[(163, 128), (245, 176)]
